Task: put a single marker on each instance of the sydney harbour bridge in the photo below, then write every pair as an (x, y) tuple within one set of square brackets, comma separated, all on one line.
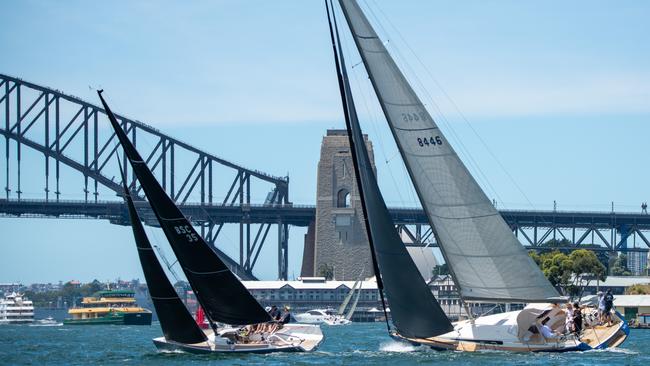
[(62, 144)]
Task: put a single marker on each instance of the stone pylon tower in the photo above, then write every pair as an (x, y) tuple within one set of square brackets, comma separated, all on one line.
[(337, 241)]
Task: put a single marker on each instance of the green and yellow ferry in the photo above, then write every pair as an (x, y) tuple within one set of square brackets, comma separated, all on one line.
[(109, 307)]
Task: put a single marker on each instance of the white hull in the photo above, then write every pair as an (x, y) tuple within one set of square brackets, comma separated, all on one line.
[(503, 333), (316, 316), (337, 320), (291, 338)]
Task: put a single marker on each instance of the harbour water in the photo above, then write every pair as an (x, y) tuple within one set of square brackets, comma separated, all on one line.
[(356, 344)]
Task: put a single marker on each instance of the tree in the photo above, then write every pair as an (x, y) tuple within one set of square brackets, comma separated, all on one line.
[(326, 271), (570, 273), (440, 269), (619, 268), (638, 290)]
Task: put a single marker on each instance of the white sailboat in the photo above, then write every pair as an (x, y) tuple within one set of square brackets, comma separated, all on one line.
[(486, 260), (328, 316)]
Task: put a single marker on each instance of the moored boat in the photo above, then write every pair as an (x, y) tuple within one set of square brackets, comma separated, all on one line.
[(109, 307)]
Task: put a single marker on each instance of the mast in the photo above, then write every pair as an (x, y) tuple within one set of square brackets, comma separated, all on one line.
[(414, 310), (338, 60)]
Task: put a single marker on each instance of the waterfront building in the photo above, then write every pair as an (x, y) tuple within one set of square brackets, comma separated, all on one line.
[(618, 284), (316, 293)]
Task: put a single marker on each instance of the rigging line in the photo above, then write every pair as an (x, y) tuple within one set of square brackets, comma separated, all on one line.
[(374, 123), (346, 111), (463, 117), (443, 118)]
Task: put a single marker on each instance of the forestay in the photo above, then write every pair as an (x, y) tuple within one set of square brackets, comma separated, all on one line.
[(414, 310), (486, 260), (219, 292)]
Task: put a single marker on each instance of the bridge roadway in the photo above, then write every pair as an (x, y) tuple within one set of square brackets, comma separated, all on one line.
[(303, 215)]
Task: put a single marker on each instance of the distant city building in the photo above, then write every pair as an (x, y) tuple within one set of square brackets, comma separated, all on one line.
[(9, 287), (637, 262), (337, 242)]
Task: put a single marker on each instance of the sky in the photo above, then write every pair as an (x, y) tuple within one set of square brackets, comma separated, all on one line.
[(544, 101)]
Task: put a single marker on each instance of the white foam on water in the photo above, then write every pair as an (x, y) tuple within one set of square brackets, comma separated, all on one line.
[(171, 351), (616, 350), (396, 346)]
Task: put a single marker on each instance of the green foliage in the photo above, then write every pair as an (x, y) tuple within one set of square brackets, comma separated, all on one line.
[(638, 290), (619, 268), (69, 293), (441, 269), (326, 271), (572, 272)]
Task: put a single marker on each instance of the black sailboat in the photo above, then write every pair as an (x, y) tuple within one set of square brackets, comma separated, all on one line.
[(176, 322), (221, 295), (395, 271), (219, 292)]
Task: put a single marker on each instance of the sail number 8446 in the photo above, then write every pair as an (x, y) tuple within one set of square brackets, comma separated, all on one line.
[(429, 141)]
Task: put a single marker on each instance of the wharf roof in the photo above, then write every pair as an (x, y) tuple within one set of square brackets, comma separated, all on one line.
[(621, 300), (307, 285), (621, 281)]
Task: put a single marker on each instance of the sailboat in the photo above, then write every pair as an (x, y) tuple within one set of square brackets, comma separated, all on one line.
[(328, 316), (343, 318), (223, 297), (485, 259)]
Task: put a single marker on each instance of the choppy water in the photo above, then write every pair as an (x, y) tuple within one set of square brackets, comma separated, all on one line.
[(357, 344)]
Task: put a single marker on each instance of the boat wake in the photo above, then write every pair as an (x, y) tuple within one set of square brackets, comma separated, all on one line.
[(395, 346), (47, 325), (615, 350)]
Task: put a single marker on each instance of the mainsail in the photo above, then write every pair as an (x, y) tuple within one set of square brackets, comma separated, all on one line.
[(486, 260), (176, 322), (223, 298), (408, 295)]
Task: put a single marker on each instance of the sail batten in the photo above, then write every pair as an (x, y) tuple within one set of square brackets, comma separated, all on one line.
[(219, 292), (463, 219)]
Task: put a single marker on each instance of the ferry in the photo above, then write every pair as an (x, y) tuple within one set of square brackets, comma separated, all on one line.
[(109, 307), (16, 309)]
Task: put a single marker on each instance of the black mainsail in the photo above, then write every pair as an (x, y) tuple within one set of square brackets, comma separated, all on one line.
[(414, 310), (486, 260), (176, 322), (223, 298)]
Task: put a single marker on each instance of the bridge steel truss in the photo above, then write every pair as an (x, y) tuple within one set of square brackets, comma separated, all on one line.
[(26, 109), (602, 231), (56, 126)]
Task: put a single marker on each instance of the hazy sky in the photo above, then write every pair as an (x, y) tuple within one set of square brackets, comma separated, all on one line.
[(551, 99)]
